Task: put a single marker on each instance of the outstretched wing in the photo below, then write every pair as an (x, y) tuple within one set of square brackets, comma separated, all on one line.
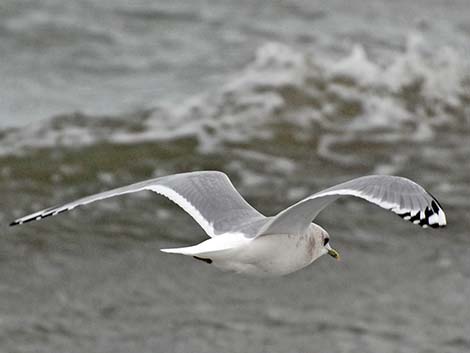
[(209, 197), (399, 195)]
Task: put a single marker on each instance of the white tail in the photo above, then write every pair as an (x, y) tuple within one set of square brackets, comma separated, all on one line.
[(210, 246)]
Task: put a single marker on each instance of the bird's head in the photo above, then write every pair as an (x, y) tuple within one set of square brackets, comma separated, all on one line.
[(329, 250), (322, 242)]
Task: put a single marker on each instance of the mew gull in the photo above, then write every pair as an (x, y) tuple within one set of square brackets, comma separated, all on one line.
[(245, 241)]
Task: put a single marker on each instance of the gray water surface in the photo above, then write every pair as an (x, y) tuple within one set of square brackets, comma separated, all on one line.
[(285, 97)]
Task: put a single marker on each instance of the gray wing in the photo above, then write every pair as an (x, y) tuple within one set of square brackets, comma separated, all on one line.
[(399, 195), (209, 197)]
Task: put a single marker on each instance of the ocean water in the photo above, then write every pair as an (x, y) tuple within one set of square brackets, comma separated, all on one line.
[(285, 97)]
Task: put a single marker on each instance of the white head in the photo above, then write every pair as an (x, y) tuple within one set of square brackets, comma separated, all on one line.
[(321, 244)]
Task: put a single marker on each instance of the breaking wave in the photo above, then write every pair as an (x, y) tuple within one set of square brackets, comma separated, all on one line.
[(285, 90)]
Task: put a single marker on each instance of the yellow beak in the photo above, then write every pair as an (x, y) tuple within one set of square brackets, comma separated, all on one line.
[(332, 252)]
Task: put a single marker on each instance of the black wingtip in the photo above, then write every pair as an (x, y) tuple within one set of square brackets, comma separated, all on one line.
[(14, 223)]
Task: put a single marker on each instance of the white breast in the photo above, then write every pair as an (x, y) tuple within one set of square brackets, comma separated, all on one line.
[(272, 255)]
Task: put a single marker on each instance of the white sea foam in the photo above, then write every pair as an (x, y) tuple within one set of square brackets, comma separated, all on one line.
[(316, 98)]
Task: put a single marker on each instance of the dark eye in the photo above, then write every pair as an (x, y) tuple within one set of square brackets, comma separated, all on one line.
[(325, 241)]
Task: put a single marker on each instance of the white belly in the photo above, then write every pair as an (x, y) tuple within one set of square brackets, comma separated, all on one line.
[(273, 255)]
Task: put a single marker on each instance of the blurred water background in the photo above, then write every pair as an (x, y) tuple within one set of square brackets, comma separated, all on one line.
[(287, 97)]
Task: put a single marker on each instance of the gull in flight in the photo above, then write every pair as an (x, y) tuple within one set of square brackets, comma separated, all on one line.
[(245, 241)]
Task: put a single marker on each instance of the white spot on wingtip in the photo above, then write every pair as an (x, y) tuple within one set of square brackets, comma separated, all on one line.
[(434, 219), (442, 218)]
